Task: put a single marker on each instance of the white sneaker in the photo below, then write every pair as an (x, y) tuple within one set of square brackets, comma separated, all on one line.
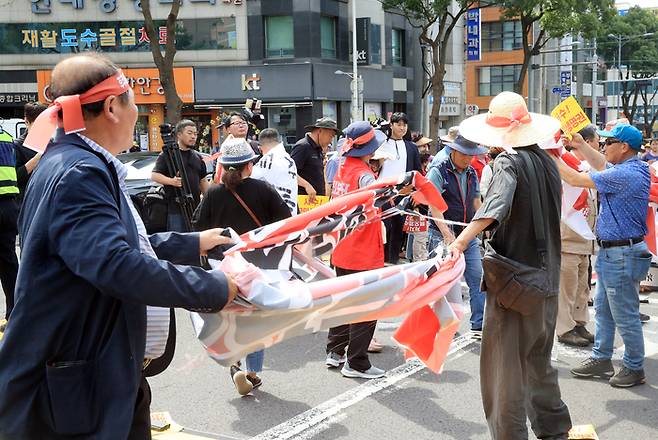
[(334, 360), (370, 373)]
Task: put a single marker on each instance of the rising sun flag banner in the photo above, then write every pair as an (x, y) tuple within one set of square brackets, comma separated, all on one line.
[(287, 291)]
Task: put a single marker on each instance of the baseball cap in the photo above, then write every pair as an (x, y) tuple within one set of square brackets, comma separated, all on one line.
[(625, 133)]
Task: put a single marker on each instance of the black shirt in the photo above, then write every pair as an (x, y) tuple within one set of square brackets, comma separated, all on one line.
[(309, 158), (23, 156), (508, 202), (220, 208), (196, 171)]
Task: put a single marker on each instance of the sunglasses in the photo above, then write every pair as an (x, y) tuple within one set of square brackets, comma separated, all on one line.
[(610, 141)]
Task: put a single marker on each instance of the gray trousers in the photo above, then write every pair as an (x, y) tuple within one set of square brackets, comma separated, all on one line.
[(516, 375)]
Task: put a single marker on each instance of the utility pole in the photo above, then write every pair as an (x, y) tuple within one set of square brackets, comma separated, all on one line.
[(595, 70), (355, 75)]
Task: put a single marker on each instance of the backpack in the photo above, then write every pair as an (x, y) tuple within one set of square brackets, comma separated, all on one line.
[(155, 210)]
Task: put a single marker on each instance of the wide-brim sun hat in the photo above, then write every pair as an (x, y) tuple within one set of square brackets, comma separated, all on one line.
[(467, 147), (382, 154), (453, 132), (509, 124), (326, 123), (236, 152), (360, 139), (423, 141)]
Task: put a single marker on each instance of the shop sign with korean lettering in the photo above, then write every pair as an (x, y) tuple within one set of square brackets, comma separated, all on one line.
[(473, 34), (144, 82), (116, 36), (16, 99), (108, 6)]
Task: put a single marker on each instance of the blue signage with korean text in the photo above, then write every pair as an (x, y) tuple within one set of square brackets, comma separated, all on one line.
[(473, 34)]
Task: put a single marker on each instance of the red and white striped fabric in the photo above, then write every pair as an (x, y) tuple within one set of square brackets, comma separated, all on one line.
[(286, 294)]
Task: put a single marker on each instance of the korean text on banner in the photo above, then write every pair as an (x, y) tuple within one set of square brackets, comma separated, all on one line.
[(304, 203), (473, 34), (571, 116)]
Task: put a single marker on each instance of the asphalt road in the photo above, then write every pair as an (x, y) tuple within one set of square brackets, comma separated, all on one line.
[(301, 399)]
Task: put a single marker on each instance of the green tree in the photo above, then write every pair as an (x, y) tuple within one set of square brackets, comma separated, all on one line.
[(639, 53), (165, 62), (554, 19), (435, 20)]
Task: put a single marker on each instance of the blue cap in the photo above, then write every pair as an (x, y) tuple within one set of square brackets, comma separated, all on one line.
[(625, 133)]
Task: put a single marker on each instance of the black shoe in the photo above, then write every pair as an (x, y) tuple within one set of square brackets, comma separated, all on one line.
[(240, 380), (583, 333), (573, 338), (594, 368), (627, 378), (255, 381), (644, 318)]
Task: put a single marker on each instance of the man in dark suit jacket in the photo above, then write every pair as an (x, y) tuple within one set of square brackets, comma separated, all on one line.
[(72, 355)]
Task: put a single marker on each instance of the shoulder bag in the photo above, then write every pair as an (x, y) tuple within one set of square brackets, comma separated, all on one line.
[(517, 286)]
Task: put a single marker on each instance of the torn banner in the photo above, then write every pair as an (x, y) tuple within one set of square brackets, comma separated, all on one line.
[(287, 293)]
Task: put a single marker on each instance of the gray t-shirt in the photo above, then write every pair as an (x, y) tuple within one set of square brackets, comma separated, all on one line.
[(508, 202)]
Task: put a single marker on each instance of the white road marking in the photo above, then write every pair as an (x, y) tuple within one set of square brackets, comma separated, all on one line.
[(317, 419)]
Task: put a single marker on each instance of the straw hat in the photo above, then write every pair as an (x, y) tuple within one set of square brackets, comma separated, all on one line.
[(453, 132), (423, 141), (509, 124)]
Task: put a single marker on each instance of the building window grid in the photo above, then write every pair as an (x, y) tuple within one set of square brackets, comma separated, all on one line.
[(279, 37), (328, 37), (495, 79), (397, 47), (375, 43), (502, 36)]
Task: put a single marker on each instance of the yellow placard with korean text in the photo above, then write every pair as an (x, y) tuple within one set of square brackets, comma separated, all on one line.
[(304, 202), (571, 116)]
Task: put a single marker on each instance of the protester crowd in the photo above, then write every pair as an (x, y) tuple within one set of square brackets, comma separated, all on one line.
[(94, 294)]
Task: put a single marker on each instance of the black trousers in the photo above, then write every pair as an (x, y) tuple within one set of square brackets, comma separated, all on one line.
[(141, 427), (357, 336), (516, 375), (8, 258), (394, 238)]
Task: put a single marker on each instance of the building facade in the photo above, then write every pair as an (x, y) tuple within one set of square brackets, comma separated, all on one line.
[(283, 52), (501, 57)]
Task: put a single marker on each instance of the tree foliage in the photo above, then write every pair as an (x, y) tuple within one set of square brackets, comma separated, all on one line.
[(165, 62), (435, 20), (639, 55), (554, 19)]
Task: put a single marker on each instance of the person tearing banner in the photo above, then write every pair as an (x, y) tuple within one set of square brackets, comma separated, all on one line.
[(74, 351), (521, 272)]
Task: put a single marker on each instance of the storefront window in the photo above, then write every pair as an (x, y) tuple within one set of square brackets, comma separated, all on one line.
[(283, 119), (328, 37), (115, 36), (279, 37)]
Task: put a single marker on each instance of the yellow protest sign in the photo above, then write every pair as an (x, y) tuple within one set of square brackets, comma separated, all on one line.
[(571, 116), (304, 203)]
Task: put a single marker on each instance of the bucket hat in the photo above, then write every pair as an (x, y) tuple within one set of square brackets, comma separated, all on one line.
[(509, 124), (467, 147), (326, 123), (360, 139), (236, 152)]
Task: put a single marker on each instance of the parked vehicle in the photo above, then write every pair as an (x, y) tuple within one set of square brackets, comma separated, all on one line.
[(138, 181), (15, 127)]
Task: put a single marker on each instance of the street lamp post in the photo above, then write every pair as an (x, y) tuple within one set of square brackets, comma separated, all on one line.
[(355, 76), (620, 42), (357, 95)]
